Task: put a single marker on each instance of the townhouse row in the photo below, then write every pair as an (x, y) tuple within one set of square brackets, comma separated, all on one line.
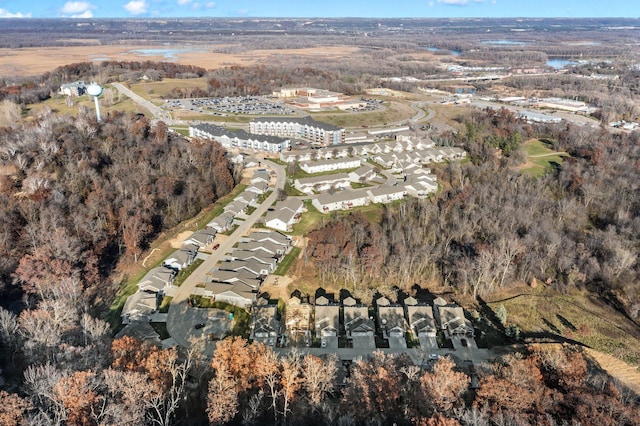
[(360, 324)]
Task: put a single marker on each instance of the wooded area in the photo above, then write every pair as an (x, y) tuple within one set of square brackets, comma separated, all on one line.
[(78, 197), (494, 227)]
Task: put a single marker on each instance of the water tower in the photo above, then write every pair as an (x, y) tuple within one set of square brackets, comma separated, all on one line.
[(95, 90)]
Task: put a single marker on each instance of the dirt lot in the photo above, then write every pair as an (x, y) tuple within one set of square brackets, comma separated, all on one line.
[(30, 61)]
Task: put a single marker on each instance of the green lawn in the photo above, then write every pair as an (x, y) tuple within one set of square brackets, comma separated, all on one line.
[(290, 190), (310, 220), (392, 112), (220, 204), (157, 90), (182, 275), (164, 305), (285, 264), (58, 104), (541, 158), (300, 174)]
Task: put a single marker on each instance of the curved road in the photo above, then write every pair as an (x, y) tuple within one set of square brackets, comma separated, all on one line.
[(181, 319)]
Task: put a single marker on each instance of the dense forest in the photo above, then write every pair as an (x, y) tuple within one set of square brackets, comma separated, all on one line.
[(79, 196), (132, 383), (493, 226)]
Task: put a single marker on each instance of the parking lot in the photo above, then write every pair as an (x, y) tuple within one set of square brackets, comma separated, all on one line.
[(250, 105)]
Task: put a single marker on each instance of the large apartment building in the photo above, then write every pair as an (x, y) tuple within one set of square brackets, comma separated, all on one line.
[(240, 139), (305, 128)]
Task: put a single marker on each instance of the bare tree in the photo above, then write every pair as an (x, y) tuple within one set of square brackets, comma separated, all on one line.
[(319, 378), (222, 399), (164, 404)]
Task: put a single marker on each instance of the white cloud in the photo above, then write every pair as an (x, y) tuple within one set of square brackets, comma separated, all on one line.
[(75, 7), (136, 7), (210, 5), (84, 15), (431, 4), (183, 2), (460, 2), (6, 14), (78, 9)]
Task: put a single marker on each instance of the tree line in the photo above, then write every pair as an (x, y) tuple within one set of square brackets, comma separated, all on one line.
[(97, 381)]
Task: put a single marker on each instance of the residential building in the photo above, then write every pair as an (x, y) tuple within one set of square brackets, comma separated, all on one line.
[(223, 222), (201, 238), (356, 319), (76, 88), (362, 174), (181, 258), (261, 175), (385, 194), (271, 236), (321, 183), (237, 294), (259, 269), (247, 255), (451, 319), (157, 279), (285, 214), (321, 166), (231, 277), (237, 206), (298, 316), (391, 322), (341, 200), (239, 139), (139, 306), (265, 247), (305, 128), (327, 318), (265, 326), (421, 322)]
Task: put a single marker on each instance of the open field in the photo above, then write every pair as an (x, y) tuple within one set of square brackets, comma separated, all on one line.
[(543, 313), (31, 61), (156, 91), (392, 112), (541, 158), (58, 105)]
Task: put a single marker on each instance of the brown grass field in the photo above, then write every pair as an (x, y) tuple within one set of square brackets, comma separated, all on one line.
[(32, 61)]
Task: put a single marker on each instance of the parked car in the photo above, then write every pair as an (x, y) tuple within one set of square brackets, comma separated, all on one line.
[(199, 326), (215, 247)]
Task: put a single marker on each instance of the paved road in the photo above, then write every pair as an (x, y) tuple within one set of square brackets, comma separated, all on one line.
[(418, 356), (180, 324), (157, 112)]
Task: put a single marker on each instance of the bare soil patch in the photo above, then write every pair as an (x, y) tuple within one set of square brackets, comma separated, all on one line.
[(179, 239), (625, 373)]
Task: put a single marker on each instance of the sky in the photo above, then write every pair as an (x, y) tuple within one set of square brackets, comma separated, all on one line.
[(315, 8)]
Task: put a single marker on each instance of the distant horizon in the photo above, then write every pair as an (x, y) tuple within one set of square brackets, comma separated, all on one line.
[(151, 18), (329, 9)]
